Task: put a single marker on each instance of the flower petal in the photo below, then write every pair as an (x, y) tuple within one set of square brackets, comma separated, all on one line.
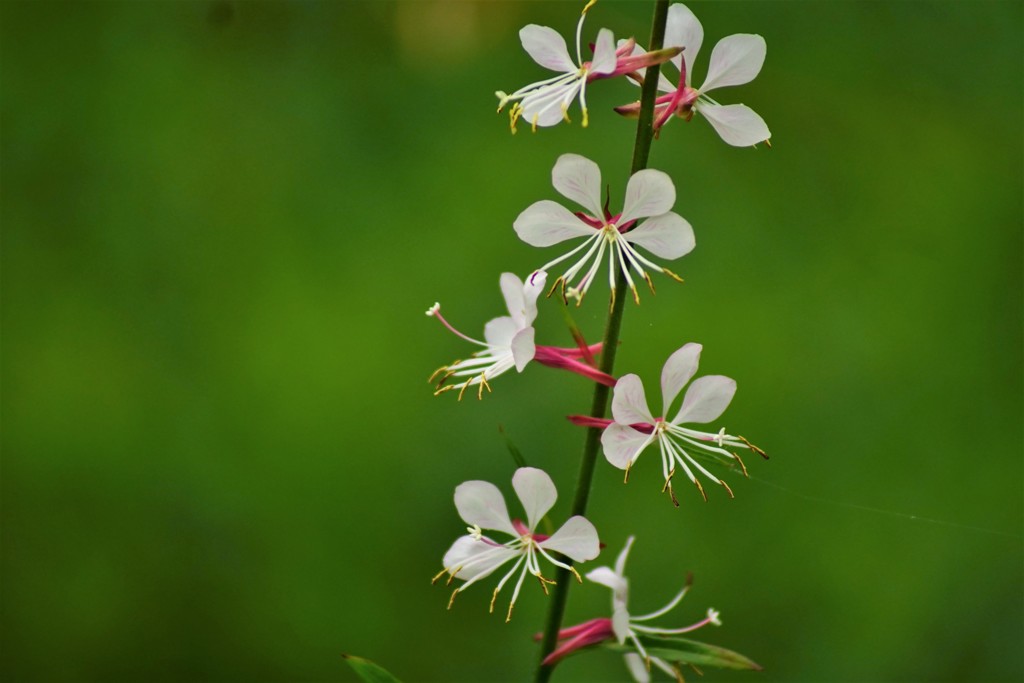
[(536, 492), (668, 236), (481, 504), (706, 399), (634, 662), (622, 444), (736, 59), (546, 106), (523, 347), (512, 290), (466, 549), (547, 48), (499, 332), (576, 539), (737, 124), (620, 561), (629, 404), (620, 623), (684, 30), (546, 222), (579, 179), (606, 577), (604, 53), (678, 370), (648, 193)]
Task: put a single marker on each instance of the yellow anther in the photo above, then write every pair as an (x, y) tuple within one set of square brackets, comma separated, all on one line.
[(728, 490), (629, 465), (493, 599), (588, 6), (452, 599), (650, 282), (753, 447), (576, 574), (671, 275), (636, 295), (533, 124), (439, 575), (508, 617), (586, 119), (701, 488), (742, 466)]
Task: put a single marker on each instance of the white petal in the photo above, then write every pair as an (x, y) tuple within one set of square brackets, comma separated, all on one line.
[(648, 193), (606, 577), (620, 561), (512, 290), (546, 104), (532, 288), (634, 662), (604, 53), (684, 30), (579, 179), (536, 492), (546, 47), (499, 332), (546, 222), (668, 236), (629, 404), (620, 623), (736, 59), (737, 124), (678, 370), (480, 503), (706, 399), (523, 348), (467, 548), (622, 444), (576, 539)]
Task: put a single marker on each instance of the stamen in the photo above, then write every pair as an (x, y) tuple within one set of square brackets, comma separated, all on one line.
[(753, 447), (439, 575), (575, 573), (728, 490), (452, 599), (672, 275), (742, 466), (451, 575), (443, 368), (465, 385), (701, 488), (494, 597), (625, 479)]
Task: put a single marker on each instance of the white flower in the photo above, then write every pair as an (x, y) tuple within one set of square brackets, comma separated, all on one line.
[(627, 627), (546, 102), (649, 194), (509, 340), (735, 60), (635, 427), (475, 556)]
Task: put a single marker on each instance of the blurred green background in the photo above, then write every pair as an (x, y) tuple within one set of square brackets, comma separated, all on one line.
[(222, 222)]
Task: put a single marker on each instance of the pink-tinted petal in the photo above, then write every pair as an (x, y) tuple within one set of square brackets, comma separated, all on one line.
[(622, 444), (546, 222), (680, 367), (604, 53), (684, 30), (706, 399), (737, 124), (668, 236), (499, 332), (546, 47), (579, 179), (523, 348), (629, 404), (648, 193), (576, 539), (536, 492), (736, 59), (466, 549), (480, 503)]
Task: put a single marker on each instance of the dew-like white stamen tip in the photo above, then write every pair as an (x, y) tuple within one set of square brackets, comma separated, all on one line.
[(713, 617), (432, 311)]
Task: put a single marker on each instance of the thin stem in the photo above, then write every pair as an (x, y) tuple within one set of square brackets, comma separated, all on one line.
[(599, 406)]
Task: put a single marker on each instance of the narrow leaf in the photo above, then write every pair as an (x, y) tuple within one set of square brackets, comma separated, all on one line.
[(684, 651), (516, 454), (369, 672)]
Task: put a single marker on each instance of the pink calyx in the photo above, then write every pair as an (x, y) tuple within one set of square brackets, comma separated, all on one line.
[(578, 637), (565, 358), (601, 423)]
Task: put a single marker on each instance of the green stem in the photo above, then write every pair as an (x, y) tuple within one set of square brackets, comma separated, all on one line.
[(599, 406)]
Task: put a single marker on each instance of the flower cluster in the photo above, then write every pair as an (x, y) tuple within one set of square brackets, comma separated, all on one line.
[(628, 240)]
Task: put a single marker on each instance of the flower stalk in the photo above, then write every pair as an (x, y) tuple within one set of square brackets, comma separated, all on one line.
[(599, 405)]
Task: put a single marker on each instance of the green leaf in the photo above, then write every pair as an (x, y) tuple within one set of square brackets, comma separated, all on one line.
[(516, 454), (683, 651), (368, 671)]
